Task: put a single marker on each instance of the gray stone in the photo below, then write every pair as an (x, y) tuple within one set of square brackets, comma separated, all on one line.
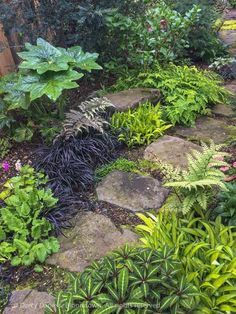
[(131, 98), (131, 191), (207, 129), (231, 87), (171, 150), (28, 302), (92, 237), (223, 110), (228, 37)]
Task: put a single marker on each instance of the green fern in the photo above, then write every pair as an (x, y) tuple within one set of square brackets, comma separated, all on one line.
[(88, 116), (199, 181)]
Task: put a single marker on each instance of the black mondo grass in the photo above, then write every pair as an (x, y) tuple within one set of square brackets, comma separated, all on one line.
[(70, 164)]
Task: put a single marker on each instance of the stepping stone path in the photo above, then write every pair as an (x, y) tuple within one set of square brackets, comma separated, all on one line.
[(131, 98), (229, 36), (131, 191), (92, 237), (171, 150), (28, 302), (223, 110), (207, 129)]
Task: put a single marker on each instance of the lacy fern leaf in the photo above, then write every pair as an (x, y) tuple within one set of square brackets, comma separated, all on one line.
[(88, 116), (198, 181)]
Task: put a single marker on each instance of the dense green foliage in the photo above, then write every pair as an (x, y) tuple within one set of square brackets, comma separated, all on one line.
[(24, 233), (204, 44), (207, 251), (197, 184), (226, 205), (160, 34), (139, 126), (131, 280), (44, 71), (187, 91)]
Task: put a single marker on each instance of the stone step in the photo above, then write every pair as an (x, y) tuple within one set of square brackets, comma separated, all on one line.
[(131, 98), (131, 191), (28, 302), (171, 150), (207, 129), (223, 110), (92, 237)]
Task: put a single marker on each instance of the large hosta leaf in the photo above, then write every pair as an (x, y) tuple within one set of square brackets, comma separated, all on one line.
[(44, 57), (50, 85)]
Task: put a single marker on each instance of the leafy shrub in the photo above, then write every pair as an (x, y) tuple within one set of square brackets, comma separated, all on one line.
[(44, 71), (70, 164), (139, 126), (87, 117), (160, 34), (207, 251), (197, 184), (24, 233), (226, 205), (131, 280), (187, 91), (204, 43), (5, 147)]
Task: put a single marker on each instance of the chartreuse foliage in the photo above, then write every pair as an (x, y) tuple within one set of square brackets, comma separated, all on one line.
[(196, 185), (24, 233), (187, 91), (130, 280), (139, 126), (45, 71), (207, 251)]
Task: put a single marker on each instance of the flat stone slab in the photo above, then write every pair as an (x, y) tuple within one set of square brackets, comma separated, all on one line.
[(228, 37), (131, 98), (207, 129), (28, 302), (171, 150), (231, 87), (93, 236), (131, 191), (223, 110)]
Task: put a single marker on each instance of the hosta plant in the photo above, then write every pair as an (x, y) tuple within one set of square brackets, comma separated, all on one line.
[(139, 126), (207, 251), (130, 280), (25, 236), (199, 182)]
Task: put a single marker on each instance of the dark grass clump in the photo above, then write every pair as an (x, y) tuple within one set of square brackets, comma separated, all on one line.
[(70, 164)]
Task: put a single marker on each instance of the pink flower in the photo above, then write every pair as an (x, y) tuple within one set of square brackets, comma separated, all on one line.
[(5, 166), (224, 169), (231, 178), (234, 164)]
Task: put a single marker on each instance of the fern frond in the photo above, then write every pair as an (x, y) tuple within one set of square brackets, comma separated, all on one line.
[(88, 116)]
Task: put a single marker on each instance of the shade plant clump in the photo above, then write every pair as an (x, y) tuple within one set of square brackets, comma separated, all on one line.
[(26, 237), (29, 95), (187, 91)]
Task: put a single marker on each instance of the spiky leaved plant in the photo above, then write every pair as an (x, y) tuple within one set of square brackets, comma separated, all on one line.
[(200, 179), (89, 115)]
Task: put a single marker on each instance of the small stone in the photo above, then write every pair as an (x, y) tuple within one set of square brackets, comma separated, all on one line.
[(28, 302), (92, 237), (131, 98), (131, 191), (171, 150), (223, 110), (207, 129)]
